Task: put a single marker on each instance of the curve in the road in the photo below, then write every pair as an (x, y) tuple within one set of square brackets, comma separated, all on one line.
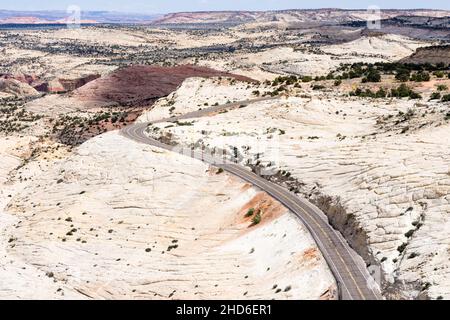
[(353, 279)]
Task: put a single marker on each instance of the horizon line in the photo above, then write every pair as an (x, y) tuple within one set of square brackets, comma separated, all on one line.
[(211, 11)]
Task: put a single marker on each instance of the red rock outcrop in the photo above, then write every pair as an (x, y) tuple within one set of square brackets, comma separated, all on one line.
[(141, 85)]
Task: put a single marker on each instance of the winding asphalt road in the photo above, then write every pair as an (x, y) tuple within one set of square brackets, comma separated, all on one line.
[(353, 279)]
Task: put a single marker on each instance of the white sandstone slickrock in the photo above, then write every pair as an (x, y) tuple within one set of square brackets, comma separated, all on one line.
[(118, 219), (396, 185)]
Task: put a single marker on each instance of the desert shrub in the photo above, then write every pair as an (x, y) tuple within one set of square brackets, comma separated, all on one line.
[(288, 80), (439, 74), (372, 76), (421, 76), (318, 87), (414, 95), (184, 124), (403, 75), (446, 98), (337, 83), (402, 248), (403, 91), (435, 96), (250, 212), (409, 233), (257, 218), (391, 68), (442, 87), (381, 93), (413, 255)]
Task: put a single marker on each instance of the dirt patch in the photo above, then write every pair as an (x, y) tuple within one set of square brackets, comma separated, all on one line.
[(263, 205), (310, 254)]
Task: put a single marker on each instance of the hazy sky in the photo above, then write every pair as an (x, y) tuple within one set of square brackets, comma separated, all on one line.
[(164, 6)]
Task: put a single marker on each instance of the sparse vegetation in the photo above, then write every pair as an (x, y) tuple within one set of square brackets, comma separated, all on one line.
[(435, 96), (318, 87), (403, 91), (446, 98), (257, 218), (250, 212), (402, 247), (367, 93)]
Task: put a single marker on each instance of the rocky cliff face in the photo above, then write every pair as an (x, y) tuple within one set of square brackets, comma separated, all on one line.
[(12, 87)]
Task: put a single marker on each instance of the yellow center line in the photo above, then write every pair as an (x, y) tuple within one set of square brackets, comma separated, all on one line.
[(317, 224)]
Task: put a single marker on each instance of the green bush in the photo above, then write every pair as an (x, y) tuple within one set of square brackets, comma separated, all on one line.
[(439, 74), (403, 75), (402, 248), (446, 98), (372, 76), (250, 212), (409, 233), (257, 218), (381, 93), (435, 96), (318, 87), (421, 76), (403, 91)]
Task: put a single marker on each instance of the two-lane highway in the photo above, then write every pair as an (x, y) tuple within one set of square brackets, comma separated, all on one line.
[(353, 279)]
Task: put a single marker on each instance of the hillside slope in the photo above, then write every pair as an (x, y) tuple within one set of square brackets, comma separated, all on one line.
[(434, 54)]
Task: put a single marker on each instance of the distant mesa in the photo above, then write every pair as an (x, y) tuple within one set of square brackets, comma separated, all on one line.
[(60, 17), (37, 21)]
